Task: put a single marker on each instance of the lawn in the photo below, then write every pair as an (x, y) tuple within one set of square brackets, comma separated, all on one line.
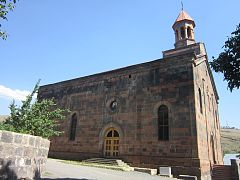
[(230, 140)]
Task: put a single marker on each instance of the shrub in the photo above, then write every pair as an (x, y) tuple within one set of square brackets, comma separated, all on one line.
[(38, 118)]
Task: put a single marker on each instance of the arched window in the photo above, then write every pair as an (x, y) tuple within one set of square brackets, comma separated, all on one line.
[(213, 149), (200, 99), (216, 117), (177, 35), (163, 123), (73, 127), (209, 105), (182, 33), (112, 133), (213, 107), (189, 33)]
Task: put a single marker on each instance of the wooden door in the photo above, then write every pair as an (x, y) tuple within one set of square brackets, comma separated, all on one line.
[(111, 145)]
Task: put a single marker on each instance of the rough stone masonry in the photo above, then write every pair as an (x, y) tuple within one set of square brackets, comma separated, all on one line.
[(158, 113), (22, 155)]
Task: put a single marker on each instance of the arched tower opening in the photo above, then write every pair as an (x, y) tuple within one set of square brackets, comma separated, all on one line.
[(184, 30)]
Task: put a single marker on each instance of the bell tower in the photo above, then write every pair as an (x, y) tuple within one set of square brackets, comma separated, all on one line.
[(183, 28)]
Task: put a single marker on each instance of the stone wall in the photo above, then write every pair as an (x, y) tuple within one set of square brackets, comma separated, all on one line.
[(22, 155), (139, 91), (207, 116)]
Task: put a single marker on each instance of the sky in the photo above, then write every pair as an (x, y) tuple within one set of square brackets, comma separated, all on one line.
[(60, 40)]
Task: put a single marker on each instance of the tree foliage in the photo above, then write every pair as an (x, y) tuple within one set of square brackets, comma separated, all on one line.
[(5, 7), (228, 61), (38, 118)]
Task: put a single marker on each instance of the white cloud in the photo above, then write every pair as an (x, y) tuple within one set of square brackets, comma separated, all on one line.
[(13, 94)]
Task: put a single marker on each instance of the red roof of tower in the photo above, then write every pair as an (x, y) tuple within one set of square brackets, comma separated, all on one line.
[(184, 16)]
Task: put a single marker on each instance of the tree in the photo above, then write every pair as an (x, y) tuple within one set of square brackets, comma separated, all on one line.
[(5, 7), (38, 118), (228, 61)]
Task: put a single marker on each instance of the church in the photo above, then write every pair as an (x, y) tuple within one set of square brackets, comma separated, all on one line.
[(158, 113)]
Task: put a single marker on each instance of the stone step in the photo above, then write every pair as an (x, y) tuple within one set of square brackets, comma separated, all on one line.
[(221, 172), (146, 170), (100, 159), (104, 161), (118, 163)]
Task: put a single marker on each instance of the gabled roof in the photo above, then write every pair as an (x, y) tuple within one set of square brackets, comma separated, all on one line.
[(184, 16)]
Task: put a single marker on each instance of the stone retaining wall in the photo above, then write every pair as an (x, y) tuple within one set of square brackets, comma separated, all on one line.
[(22, 155)]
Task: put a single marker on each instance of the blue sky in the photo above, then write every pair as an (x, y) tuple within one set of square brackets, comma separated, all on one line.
[(60, 40)]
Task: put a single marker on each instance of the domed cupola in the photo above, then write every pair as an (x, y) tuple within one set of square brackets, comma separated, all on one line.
[(184, 30)]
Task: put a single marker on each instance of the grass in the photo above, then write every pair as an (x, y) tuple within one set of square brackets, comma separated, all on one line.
[(230, 140), (95, 165), (47, 173)]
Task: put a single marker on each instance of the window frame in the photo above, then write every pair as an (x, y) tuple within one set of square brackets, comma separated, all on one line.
[(73, 127), (163, 123), (200, 100), (189, 33), (182, 33)]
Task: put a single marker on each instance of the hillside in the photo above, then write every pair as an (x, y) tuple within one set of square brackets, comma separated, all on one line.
[(230, 140), (3, 117)]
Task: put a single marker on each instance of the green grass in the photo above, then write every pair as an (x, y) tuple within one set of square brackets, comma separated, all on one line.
[(230, 140), (47, 173), (95, 165)]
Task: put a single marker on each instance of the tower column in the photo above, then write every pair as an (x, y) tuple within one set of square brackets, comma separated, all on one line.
[(186, 34), (176, 35), (192, 32), (179, 35)]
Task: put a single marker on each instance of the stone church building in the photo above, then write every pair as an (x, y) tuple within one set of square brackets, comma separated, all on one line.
[(159, 113)]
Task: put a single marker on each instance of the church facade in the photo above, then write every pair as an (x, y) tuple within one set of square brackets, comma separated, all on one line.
[(158, 113)]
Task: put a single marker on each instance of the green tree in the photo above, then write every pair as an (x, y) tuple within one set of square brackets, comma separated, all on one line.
[(39, 118), (228, 61), (5, 7)]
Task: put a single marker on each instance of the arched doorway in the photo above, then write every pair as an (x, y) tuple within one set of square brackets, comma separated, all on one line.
[(111, 143)]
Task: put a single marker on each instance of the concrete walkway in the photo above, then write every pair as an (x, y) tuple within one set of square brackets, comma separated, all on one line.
[(57, 170)]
